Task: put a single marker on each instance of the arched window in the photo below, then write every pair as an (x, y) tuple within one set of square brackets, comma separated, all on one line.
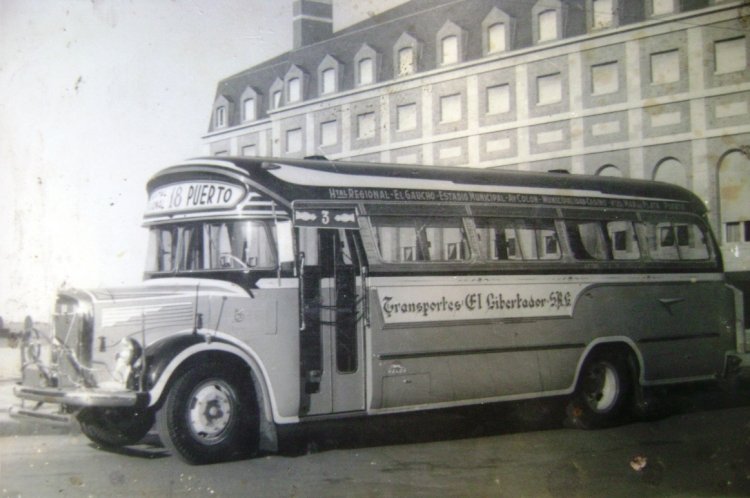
[(449, 50), (406, 55), (497, 32), (366, 64), (671, 171), (609, 170), (602, 14), (548, 25), (405, 61), (734, 192), (293, 90), (221, 117), (496, 38), (328, 75)]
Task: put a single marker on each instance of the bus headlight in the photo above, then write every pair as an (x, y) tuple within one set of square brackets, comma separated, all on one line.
[(127, 358)]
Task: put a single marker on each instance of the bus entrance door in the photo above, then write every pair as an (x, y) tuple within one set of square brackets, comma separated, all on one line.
[(335, 283)]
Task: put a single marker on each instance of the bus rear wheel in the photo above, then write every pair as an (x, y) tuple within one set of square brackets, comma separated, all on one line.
[(603, 392), (209, 415)]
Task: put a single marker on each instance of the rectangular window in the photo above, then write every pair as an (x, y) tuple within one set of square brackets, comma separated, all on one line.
[(250, 150), (673, 241), (731, 55), (665, 67), (328, 133), (248, 109), (406, 117), (294, 140), (366, 125), (276, 99), (602, 13), (737, 231), (503, 239), (548, 25), (496, 38), (498, 99), (604, 78), (366, 72), (549, 89), (450, 108), (449, 46), (408, 239), (405, 61), (328, 84)]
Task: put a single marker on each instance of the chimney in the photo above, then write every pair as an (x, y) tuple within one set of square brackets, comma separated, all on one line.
[(313, 21)]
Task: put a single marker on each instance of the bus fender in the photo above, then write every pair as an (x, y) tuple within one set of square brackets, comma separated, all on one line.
[(165, 357)]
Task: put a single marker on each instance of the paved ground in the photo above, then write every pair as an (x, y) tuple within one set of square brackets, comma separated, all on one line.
[(701, 452)]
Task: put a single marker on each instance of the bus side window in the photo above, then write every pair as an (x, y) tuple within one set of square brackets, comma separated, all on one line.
[(672, 241), (520, 240), (692, 241), (406, 239), (587, 241), (623, 240)]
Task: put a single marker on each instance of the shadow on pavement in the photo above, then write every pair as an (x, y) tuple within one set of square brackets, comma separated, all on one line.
[(459, 423)]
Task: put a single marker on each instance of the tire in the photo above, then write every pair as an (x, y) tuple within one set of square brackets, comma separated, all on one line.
[(115, 427), (210, 415), (603, 392)]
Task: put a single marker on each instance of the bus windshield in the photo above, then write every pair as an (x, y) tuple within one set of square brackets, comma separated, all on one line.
[(212, 245)]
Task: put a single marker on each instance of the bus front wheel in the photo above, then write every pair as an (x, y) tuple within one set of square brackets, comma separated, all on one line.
[(602, 394), (115, 427), (208, 415)]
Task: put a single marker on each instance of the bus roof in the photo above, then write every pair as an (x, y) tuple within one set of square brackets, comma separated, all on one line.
[(288, 180)]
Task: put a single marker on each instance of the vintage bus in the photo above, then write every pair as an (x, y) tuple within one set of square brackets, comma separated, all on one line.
[(282, 291)]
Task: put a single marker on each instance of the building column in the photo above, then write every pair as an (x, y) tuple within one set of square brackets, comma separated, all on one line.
[(635, 115), (472, 119), (575, 89), (522, 116)]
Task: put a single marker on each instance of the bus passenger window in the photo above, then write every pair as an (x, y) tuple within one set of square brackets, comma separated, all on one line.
[(672, 241), (406, 239), (587, 242), (692, 242), (505, 239), (623, 240)]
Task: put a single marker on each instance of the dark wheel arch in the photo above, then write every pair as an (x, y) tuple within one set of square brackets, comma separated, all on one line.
[(606, 387)]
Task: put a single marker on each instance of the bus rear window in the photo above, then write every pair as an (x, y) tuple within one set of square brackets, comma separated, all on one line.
[(411, 239), (502, 239)]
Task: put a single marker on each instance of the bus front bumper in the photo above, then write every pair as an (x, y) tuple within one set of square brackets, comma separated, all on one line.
[(66, 401)]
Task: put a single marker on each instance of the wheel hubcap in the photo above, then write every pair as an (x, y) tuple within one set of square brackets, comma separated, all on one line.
[(211, 410), (602, 387)]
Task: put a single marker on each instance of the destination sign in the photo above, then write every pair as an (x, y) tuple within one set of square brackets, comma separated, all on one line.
[(538, 199), (191, 196)]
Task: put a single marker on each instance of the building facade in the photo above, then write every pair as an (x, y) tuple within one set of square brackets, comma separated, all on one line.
[(656, 89)]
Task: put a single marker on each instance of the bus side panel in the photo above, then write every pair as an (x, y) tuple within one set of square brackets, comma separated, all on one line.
[(679, 328)]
